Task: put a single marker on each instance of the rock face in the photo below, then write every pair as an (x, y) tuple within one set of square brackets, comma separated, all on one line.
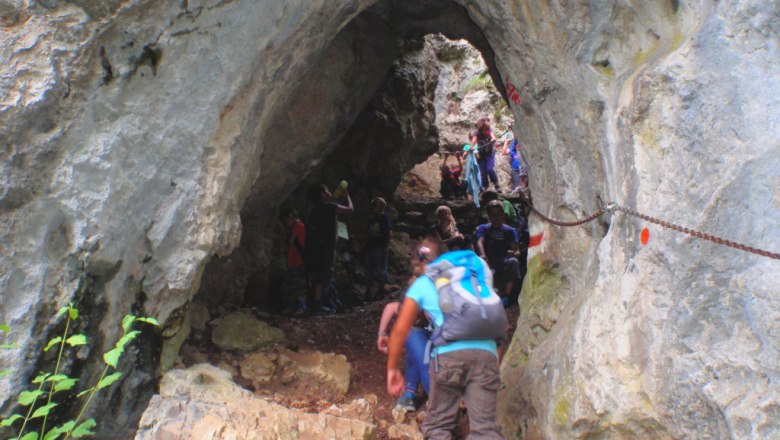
[(139, 139), (203, 403)]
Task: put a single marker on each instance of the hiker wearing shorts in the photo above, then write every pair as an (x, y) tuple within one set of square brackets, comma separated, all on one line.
[(464, 369), (295, 286), (321, 237)]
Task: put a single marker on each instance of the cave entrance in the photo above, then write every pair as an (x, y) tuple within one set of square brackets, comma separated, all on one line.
[(389, 141)]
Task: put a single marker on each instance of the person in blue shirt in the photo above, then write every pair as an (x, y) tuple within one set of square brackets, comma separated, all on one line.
[(518, 171), (497, 244), (459, 370)]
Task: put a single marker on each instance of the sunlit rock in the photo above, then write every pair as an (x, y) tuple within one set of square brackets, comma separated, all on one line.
[(202, 403)]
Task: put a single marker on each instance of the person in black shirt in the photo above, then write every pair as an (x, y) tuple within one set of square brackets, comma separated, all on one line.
[(321, 237), (379, 234)]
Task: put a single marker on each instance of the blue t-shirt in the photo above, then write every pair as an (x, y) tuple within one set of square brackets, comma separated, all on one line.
[(517, 161), (498, 240), (424, 293)]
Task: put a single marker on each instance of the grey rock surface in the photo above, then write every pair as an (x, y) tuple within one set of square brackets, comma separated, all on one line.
[(202, 402), (133, 134)]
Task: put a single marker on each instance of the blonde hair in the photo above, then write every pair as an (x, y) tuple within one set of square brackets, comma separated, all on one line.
[(445, 210)]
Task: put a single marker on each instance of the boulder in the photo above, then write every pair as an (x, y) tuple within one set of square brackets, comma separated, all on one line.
[(242, 331), (202, 403), (309, 373)]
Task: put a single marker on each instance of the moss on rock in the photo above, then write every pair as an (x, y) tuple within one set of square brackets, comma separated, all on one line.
[(543, 282)]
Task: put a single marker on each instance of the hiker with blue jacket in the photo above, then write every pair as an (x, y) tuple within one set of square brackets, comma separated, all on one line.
[(468, 318)]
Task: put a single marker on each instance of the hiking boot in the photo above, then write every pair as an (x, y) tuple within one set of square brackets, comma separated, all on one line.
[(318, 309), (406, 402)]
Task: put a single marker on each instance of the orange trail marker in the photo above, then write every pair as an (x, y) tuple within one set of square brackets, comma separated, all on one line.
[(644, 236)]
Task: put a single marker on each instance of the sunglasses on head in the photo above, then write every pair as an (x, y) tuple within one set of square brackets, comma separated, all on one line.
[(422, 252)]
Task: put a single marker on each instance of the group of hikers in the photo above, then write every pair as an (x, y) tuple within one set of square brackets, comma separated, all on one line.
[(451, 320), (477, 164)]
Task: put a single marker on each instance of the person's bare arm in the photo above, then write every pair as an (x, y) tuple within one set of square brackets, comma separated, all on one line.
[(345, 209), (481, 247), (390, 312), (406, 317)]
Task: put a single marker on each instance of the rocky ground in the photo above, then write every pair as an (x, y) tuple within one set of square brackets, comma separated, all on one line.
[(359, 373), (320, 366)]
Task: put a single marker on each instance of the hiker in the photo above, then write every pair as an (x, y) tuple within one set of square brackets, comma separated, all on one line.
[(451, 186), (497, 244), (464, 358), (416, 369), (485, 141), (380, 230), (471, 178), (447, 229), (510, 213), (321, 236), (294, 281), (416, 372), (523, 240), (517, 166)]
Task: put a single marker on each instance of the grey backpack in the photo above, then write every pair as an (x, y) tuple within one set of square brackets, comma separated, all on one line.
[(471, 308)]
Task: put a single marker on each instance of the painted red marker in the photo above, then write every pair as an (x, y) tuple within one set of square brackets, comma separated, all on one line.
[(644, 236), (536, 240)]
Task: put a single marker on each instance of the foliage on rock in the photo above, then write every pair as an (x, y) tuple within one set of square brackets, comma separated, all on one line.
[(48, 384)]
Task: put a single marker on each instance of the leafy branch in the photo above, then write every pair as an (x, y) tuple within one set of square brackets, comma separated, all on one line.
[(58, 382)]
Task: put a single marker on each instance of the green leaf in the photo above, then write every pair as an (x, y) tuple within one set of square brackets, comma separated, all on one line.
[(149, 321), (5, 372), (67, 426), (111, 357), (43, 411), (52, 343), (5, 328), (127, 322), (57, 378), (56, 432), (108, 380), (84, 429), (87, 391), (40, 377), (78, 339), (126, 338), (28, 397), (53, 433), (63, 310), (65, 385), (10, 420), (9, 346), (30, 436), (73, 313)]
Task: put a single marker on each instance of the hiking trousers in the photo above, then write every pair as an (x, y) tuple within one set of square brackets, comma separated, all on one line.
[(471, 375), (487, 170)]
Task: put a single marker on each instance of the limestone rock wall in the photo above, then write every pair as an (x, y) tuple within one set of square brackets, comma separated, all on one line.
[(133, 133), (661, 106), (131, 136)]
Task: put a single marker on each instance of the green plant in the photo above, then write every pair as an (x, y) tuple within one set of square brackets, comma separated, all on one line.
[(49, 384), (482, 81)]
